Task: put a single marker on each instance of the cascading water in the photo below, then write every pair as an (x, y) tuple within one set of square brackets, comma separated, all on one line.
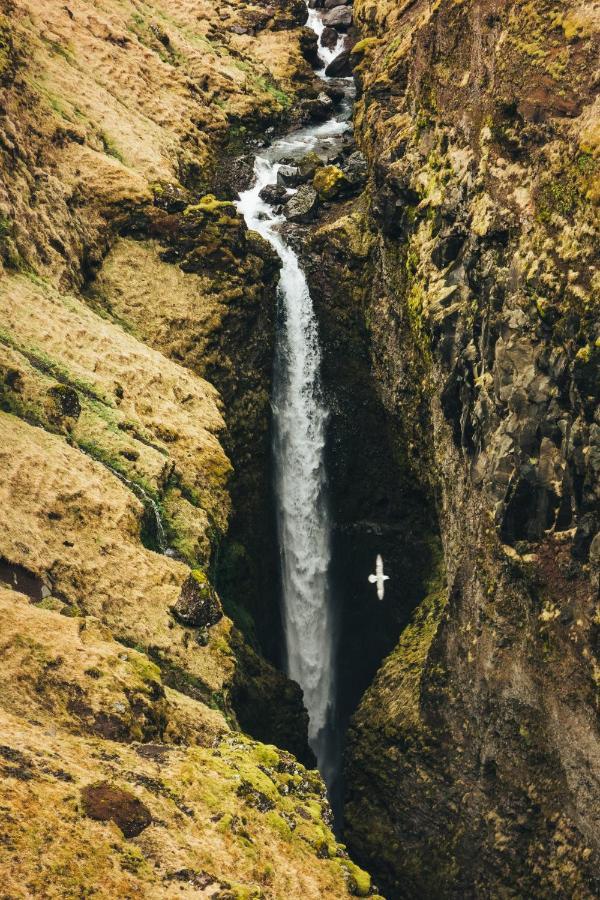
[(299, 439)]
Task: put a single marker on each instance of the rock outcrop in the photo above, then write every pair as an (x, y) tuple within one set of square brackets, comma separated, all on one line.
[(468, 272), (135, 357)]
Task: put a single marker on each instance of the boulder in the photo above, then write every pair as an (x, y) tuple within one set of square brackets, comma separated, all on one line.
[(330, 183), (274, 194), (339, 18), (303, 206), (329, 38), (309, 46), (309, 164), (197, 605), (340, 67), (355, 169), (289, 176), (289, 14), (107, 803), (331, 4), (318, 110), (335, 90)]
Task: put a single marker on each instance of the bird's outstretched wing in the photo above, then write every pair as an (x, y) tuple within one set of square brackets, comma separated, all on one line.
[(379, 565)]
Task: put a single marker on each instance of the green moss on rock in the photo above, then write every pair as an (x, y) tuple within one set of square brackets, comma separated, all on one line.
[(330, 182)]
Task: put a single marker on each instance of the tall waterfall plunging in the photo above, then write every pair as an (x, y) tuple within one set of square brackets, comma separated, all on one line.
[(300, 418)]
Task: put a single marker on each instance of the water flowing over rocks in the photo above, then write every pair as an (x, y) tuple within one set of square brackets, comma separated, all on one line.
[(299, 423), (216, 411)]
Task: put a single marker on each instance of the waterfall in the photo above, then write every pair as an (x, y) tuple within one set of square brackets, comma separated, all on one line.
[(300, 418), (299, 439), (304, 533)]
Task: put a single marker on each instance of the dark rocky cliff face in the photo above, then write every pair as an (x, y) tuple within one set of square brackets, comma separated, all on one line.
[(465, 292)]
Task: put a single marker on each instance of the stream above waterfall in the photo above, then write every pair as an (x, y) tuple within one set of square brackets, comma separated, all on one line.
[(299, 431)]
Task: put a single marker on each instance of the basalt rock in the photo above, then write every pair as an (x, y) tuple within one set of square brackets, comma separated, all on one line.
[(341, 66), (303, 206), (289, 176), (330, 183), (106, 802), (309, 44), (339, 18), (318, 110), (275, 194), (309, 164), (355, 168), (465, 756), (197, 604), (329, 37), (269, 703)]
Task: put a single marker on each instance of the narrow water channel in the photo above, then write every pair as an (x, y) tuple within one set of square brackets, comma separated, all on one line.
[(300, 416)]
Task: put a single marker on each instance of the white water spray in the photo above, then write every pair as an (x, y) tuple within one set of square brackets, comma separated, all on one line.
[(327, 55), (299, 439)]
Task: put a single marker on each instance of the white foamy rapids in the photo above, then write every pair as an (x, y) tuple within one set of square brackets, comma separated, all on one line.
[(315, 22)]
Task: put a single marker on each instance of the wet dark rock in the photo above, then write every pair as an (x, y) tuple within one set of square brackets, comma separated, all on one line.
[(288, 176), (335, 90), (331, 4), (171, 198), (341, 66), (309, 45), (268, 705), (274, 194), (339, 18), (329, 38), (356, 169), (197, 605), (106, 802), (303, 206), (318, 110)]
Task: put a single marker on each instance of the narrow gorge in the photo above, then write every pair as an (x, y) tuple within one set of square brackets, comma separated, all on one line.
[(286, 287)]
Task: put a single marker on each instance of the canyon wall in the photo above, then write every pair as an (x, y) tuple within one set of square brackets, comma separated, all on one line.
[(466, 278), (135, 355), (457, 297)]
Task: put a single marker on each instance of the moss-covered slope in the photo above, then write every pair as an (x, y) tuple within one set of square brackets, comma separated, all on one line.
[(136, 325), (480, 122)]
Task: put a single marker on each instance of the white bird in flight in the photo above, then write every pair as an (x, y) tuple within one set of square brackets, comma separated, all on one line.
[(379, 578)]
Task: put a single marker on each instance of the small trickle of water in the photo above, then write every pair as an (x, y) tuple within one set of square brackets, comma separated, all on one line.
[(149, 504)]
